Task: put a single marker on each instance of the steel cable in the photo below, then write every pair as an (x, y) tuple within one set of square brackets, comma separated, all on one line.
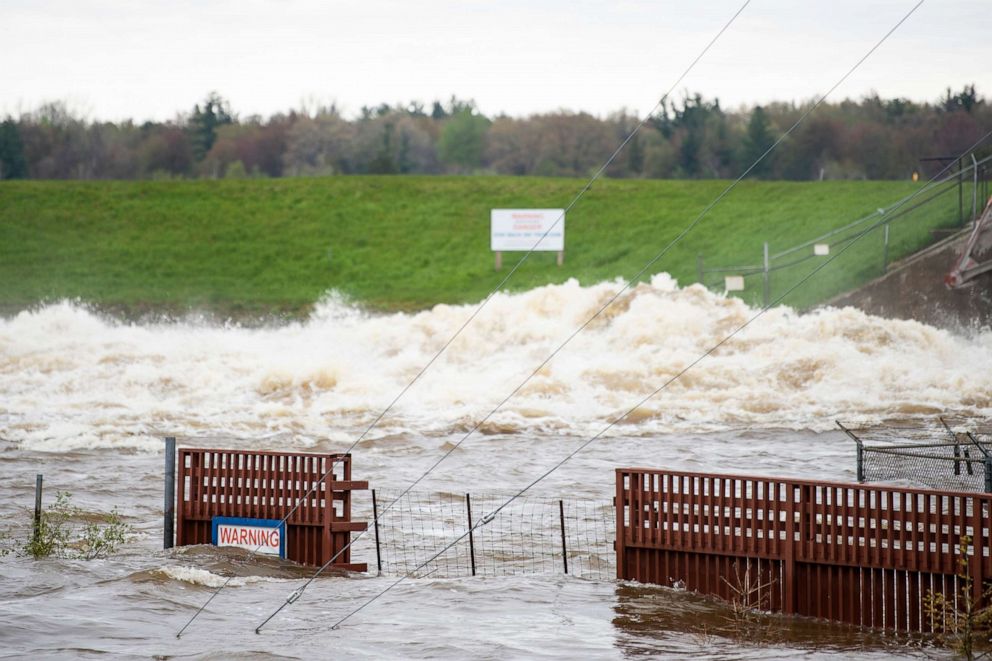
[(659, 104), (685, 231), (633, 408)]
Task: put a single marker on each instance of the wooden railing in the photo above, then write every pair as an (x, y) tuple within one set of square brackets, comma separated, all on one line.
[(267, 485), (855, 553)]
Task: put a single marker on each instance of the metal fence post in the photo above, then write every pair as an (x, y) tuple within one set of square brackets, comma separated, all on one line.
[(974, 188), (767, 294), (861, 461), (960, 192), (38, 480), (885, 249), (169, 511), (471, 537), (375, 524), (988, 474), (564, 551)]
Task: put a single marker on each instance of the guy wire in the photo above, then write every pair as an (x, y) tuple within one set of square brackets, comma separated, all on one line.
[(659, 104), (489, 517), (297, 593)]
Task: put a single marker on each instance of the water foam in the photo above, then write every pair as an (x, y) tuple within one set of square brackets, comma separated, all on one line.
[(71, 379), (195, 576)]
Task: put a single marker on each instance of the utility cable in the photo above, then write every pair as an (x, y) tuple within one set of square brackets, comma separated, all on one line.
[(489, 517), (297, 593), (658, 105), (888, 213), (863, 219)]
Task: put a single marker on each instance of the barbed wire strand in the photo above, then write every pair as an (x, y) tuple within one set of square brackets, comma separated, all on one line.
[(644, 120), (489, 517), (296, 594)]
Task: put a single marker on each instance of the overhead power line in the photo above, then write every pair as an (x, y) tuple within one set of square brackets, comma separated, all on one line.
[(489, 517), (599, 173), (299, 592)]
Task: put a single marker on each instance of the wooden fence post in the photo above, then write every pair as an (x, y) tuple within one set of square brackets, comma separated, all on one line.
[(977, 548), (789, 569), (618, 545)]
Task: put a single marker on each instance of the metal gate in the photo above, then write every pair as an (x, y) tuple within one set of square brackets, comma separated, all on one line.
[(253, 484)]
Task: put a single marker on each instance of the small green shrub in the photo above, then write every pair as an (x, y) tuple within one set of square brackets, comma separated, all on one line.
[(60, 535), (99, 541), (963, 624)]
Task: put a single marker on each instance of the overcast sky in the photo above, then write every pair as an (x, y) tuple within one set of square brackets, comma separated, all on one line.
[(114, 59)]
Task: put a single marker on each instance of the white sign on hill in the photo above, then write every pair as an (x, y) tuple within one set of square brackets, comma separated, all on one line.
[(520, 229), (734, 283), (527, 229)]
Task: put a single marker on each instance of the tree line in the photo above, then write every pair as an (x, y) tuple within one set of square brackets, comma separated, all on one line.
[(693, 137)]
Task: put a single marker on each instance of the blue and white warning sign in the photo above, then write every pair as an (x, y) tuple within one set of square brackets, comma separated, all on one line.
[(266, 536)]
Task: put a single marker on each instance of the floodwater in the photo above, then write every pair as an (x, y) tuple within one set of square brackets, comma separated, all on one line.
[(86, 400)]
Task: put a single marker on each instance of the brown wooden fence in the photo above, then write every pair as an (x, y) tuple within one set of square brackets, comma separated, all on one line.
[(267, 485), (855, 553)]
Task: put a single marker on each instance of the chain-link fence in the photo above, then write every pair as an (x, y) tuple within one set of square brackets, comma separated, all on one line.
[(938, 456), (894, 232), (533, 535)]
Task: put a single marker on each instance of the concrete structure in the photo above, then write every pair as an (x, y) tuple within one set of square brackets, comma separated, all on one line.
[(914, 288)]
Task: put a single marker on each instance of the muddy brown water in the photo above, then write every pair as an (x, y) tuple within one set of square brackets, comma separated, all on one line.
[(86, 400), (133, 603)]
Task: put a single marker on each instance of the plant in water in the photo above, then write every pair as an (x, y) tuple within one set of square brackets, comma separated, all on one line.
[(748, 602), (962, 621), (6, 545), (58, 532)]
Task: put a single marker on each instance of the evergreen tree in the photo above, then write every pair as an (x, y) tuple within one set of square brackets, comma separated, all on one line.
[(965, 100), (699, 131), (13, 165), (757, 141), (204, 123), (438, 112)]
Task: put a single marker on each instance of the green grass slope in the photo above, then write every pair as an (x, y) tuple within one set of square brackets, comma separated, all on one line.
[(246, 247)]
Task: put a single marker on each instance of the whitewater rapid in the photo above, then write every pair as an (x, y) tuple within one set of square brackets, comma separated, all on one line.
[(71, 378)]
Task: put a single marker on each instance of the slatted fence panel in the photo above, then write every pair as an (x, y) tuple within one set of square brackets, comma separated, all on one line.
[(267, 485), (855, 553)]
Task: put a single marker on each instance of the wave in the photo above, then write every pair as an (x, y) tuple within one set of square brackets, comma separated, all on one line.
[(195, 576), (72, 379)]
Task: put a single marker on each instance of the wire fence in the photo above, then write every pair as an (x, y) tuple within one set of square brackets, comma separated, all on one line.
[(938, 456), (899, 231), (533, 535)]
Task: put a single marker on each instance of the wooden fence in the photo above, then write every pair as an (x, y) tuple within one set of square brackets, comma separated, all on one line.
[(861, 554), (267, 485)]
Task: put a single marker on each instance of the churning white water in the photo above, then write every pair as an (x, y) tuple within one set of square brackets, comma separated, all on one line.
[(73, 379), (85, 399)]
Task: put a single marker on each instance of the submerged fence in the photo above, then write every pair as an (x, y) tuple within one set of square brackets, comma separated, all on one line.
[(533, 535), (934, 456), (858, 554), (313, 490), (896, 231)]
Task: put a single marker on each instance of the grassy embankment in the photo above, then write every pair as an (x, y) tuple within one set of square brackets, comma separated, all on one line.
[(275, 246)]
